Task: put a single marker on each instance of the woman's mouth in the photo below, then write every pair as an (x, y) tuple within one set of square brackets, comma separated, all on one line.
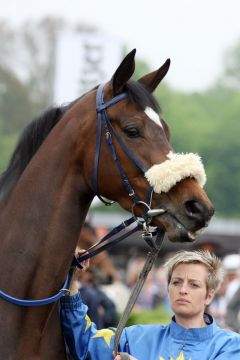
[(182, 301)]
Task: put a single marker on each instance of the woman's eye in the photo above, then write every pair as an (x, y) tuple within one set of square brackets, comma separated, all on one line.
[(132, 131), (195, 285)]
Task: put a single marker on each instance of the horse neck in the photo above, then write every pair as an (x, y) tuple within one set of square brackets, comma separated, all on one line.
[(41, 220)]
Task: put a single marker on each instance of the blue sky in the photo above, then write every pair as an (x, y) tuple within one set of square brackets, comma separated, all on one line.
[(194, 33)]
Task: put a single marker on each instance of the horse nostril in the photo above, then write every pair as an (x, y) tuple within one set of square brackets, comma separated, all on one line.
[(195, 209)]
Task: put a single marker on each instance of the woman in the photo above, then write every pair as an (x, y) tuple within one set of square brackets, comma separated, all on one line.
[(193, 279)]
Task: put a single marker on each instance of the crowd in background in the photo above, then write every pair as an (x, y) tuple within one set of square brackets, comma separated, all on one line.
[(226, 304), (107, 297)]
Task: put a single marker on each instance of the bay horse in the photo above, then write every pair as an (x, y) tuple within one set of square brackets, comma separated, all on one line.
[(46, 191)]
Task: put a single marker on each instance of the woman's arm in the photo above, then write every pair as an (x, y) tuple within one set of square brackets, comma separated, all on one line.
[(82, 337)]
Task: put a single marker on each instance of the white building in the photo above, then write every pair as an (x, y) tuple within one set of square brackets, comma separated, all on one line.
[(83, 60)]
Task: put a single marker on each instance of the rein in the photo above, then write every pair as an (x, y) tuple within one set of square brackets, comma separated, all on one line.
[(106, 242), (155, 247), (33, 303)]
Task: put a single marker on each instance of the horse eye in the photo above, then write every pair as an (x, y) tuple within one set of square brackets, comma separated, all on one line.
[(132, 131)]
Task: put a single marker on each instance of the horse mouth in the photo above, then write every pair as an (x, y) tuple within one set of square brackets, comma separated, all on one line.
[(175, 229)]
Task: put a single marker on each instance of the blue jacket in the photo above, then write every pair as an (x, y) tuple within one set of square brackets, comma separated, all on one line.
[(145, 342)]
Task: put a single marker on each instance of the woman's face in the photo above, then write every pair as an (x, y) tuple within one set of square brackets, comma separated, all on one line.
[(188, 291)]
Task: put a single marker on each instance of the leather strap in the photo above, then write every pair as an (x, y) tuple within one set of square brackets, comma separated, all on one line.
[(150, 259)]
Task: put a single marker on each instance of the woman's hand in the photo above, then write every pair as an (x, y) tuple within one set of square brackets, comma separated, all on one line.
[(75, 283), (123, 356), (86, 263)]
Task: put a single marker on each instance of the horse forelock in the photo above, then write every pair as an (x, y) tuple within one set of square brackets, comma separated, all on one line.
[(140, 96)]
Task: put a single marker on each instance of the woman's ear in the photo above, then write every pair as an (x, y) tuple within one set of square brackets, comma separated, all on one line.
[(210, 297)]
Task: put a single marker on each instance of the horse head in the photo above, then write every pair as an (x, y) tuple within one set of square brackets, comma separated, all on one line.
[(141, 136)]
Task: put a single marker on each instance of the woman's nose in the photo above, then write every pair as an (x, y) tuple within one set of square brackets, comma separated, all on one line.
[(183, 289)]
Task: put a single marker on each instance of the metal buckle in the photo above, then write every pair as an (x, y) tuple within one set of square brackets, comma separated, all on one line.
[(66, 292), (140, 203), (155, 212)]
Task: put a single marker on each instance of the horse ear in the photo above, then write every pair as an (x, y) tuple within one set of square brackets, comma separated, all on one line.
[(123, 73), (153, 79)]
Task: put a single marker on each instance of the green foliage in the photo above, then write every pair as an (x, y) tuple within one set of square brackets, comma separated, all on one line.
[(7, 143), (208, 124), (16, 107), (156, 316), (231, 74), (141, 69)]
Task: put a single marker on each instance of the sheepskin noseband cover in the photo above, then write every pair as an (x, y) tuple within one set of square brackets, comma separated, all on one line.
[(162, 177)]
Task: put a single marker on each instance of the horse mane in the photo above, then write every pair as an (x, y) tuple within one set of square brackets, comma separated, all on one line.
[(30, 140), (36, 132)]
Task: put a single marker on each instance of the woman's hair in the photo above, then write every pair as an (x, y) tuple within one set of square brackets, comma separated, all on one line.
[(212, 263)]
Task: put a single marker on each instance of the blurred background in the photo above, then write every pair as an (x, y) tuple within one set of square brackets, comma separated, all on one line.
[(53, 51)]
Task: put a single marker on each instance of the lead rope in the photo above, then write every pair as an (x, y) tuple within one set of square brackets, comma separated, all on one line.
[(155, 247)]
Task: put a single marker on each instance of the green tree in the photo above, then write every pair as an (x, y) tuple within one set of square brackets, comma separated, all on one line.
[(231, 73), (39, 41), (7, 143), (207, 123), (16, 107)]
